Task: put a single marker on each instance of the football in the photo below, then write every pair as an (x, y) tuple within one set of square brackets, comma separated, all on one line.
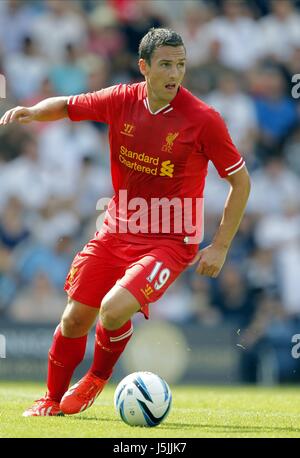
[(143, 399)]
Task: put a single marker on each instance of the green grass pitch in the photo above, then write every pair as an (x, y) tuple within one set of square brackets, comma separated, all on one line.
[(197, 411)]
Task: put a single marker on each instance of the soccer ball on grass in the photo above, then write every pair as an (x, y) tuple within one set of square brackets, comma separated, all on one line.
[(143, 399)]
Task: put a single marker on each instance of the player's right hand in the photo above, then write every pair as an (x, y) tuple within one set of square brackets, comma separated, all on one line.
[(21, 115)]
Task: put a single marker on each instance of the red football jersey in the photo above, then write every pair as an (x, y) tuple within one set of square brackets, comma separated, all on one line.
[(158, 159)]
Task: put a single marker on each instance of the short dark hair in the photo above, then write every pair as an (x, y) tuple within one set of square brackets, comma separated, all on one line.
[(156, 38)]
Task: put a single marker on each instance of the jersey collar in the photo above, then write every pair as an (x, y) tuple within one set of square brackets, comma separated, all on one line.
[(162, 110), (166, 109)]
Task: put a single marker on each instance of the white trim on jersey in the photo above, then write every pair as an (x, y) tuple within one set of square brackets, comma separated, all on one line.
[(235, 165), (239, 168), (156, 112)]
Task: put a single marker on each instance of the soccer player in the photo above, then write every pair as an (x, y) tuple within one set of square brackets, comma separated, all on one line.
[(161, 140)]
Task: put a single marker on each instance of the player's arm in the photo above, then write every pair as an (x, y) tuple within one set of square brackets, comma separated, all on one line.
[(234, 208), (50, 109), (213, 257)]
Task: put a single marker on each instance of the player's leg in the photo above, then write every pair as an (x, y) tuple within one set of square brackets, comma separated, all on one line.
[(66, 353), (143, 282), (89, 279), (68, 346), (113, 331)]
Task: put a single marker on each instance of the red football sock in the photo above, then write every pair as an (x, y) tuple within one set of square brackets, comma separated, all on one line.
[(64, 356), (109, 345)]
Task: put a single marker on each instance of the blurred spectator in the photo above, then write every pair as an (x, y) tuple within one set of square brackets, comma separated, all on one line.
[(203, 78), (62, 147), (39, 302), (93, 183), (236, 107), (16, 17), (237, 34), (231, 297), (53, 262), (98, 76), (69, 77), (125, 10), (244, 243), (266, 341), (276, 111), (194, 30), (8, 284), (281, 233), (280, 30), (105, 37), (291, 151), (200, 303), (54, 220), (175, 305), (214, 186), (12, 139), (24, 178), (13, 227), (57, 27), (143, 18), (261, 273), (36, 70), (293, 64), (272, 186)]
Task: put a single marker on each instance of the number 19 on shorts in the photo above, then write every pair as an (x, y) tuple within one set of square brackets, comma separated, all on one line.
[(160, 275)]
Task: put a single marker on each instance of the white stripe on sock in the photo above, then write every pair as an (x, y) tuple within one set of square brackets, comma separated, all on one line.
[(122, 336)]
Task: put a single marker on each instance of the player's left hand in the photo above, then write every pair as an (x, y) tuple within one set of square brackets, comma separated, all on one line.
[(211, 260)]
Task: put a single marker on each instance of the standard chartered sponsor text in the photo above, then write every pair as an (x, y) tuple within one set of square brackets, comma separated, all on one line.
[(129, 158)]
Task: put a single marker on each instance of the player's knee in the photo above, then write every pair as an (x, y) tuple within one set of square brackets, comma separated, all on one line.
[(73, 325), (110, 315)]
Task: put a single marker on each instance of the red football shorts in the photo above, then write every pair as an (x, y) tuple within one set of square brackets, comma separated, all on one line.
[(143, 269)]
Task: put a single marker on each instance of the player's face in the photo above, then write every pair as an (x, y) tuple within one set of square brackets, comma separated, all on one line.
[(165, 73)]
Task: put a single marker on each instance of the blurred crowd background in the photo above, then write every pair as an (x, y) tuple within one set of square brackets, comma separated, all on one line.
[(242, 56)]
